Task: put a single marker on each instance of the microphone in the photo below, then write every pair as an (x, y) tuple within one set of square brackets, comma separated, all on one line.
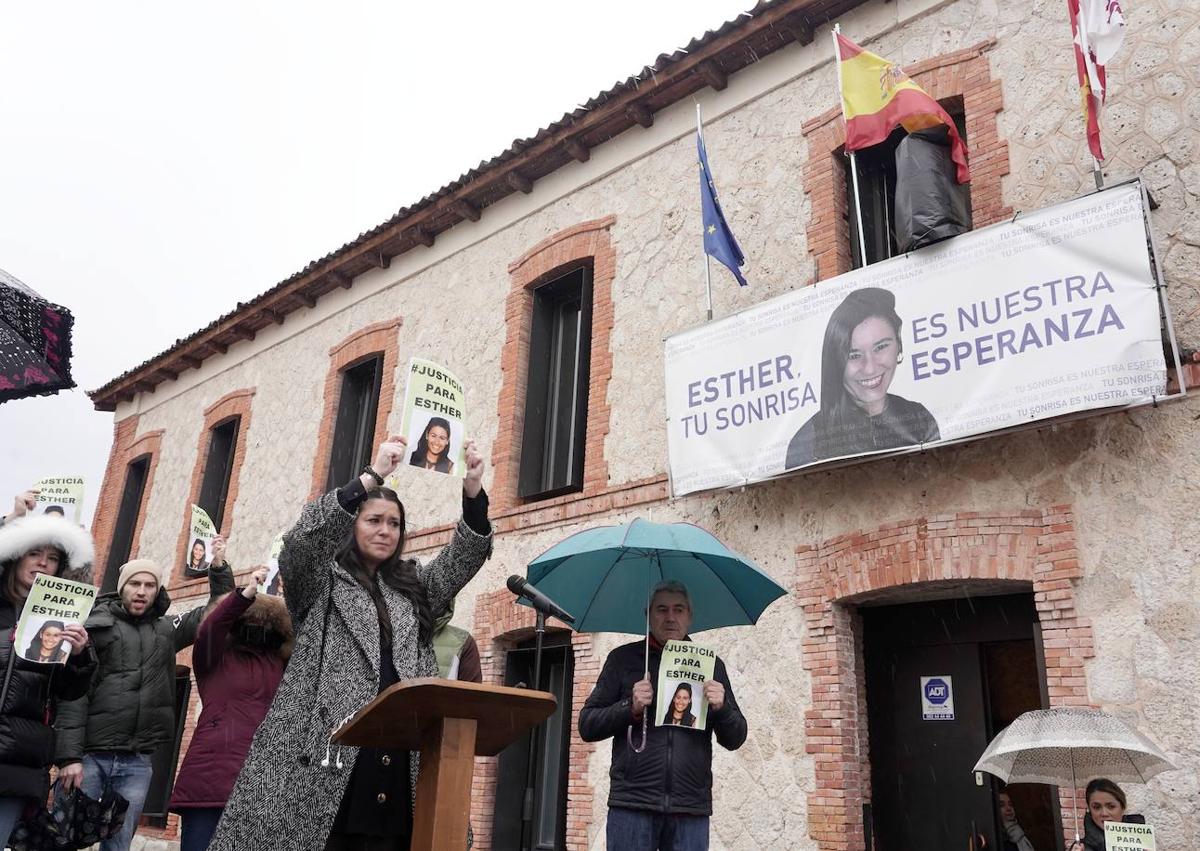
[(537, 599)]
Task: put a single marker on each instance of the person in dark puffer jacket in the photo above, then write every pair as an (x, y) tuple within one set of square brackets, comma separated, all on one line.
[(107, 737), (660, 798), (30, 692)]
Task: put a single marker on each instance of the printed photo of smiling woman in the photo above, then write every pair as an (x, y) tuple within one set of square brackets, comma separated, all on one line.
[(859, 356)]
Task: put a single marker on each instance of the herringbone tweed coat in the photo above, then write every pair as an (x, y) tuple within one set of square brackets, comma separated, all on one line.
[(284, 800)]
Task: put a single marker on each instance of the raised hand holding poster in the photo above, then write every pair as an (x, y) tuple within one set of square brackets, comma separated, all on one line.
[(434, 404), (199, 552), (61, 495), (271, 583), (684, 670), (53, 605)]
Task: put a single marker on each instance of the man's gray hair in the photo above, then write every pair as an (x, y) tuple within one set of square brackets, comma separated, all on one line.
[(672, 586)]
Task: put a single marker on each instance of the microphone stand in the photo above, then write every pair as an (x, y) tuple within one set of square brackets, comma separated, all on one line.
[(531, 768)]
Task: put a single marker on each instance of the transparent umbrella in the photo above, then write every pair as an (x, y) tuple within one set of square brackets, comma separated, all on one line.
[(1063, 747)]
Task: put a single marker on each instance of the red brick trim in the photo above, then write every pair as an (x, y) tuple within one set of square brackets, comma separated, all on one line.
[(236, 403), (1036, 547), (499, 624), (378, 338), (555, 255), (126, 448), (964, 73)]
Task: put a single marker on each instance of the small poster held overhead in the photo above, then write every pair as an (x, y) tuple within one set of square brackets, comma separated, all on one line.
[(434, 405), (271, 585), (198, 556), (53, 604), (61, 495), (682, 673)]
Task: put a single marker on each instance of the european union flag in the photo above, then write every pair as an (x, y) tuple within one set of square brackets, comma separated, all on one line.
[(719, 241)]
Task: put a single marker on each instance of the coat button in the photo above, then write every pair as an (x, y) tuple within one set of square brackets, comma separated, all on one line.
[(386, 760), (304, 760), (381, 798)]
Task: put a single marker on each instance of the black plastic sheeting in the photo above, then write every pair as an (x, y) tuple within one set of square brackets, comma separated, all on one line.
[(930, 204)]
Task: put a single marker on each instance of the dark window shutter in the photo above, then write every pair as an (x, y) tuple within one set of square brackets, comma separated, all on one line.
[(354, 429), (555, 428)]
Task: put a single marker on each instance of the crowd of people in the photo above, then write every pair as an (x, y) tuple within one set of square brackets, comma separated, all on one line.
[(277, 677)]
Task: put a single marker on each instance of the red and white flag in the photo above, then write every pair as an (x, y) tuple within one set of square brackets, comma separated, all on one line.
[(1098, 27)]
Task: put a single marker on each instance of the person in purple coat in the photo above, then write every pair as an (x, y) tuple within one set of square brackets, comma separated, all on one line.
[(241, 650)]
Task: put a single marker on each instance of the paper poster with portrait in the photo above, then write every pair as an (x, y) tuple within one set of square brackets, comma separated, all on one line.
[(199, 554), (61, 495), (1124, 836), (434, 405), (273, 584), (1054, 313), (679, 693), (52, 605)]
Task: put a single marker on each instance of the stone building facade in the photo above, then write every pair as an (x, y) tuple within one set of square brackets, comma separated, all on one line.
[(1090, 520)]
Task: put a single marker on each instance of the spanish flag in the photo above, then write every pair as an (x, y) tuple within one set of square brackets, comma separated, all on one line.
[(877, 95)]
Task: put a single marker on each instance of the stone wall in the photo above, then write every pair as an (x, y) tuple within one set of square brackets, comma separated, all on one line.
[(1127, 480)]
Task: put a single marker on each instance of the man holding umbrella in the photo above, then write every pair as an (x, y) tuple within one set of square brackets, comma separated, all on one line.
[(660, 797)]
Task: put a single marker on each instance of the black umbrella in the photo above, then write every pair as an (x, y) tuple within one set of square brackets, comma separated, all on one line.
[(35, 343), (72, 821)]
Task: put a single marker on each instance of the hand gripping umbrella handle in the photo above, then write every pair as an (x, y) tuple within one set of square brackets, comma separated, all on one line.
[(629, 735)]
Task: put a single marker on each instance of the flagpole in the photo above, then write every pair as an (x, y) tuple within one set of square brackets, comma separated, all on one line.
[(707, 266), (837, 61), (1096, 173)]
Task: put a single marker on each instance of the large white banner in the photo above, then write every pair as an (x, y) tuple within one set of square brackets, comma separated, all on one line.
[(1053, 313)]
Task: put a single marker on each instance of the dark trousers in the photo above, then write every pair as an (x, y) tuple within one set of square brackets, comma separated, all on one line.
[(197, 826), (642, 830)]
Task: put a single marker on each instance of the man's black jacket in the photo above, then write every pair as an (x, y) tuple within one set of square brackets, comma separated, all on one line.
[(674, 773), (130, 707)]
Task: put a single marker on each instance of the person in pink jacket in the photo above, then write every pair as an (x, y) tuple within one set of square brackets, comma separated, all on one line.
[(241, 650)]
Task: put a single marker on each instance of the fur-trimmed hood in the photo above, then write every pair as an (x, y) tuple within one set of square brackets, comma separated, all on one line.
[(23, 534), (271, 613)]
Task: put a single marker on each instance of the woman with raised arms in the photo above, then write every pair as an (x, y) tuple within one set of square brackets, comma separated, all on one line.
[(364, 620)]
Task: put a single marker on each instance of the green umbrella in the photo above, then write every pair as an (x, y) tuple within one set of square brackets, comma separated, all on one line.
[(604, 577)]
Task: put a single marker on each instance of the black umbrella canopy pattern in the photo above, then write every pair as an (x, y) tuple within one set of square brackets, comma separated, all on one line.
[(35, 342)]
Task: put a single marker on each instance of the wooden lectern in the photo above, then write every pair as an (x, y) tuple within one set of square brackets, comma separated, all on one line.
[(449, 722)]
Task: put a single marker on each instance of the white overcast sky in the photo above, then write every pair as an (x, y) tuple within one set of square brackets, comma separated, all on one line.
[(160, 162)]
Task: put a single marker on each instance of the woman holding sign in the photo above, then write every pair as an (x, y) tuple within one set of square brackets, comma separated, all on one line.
[(29, 691), (1105, 803), (859, 356), (241, 650), (364, 619)]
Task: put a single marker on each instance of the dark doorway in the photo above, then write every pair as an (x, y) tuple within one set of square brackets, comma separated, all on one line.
[(942, 678), (166, 756), (550, 783)]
